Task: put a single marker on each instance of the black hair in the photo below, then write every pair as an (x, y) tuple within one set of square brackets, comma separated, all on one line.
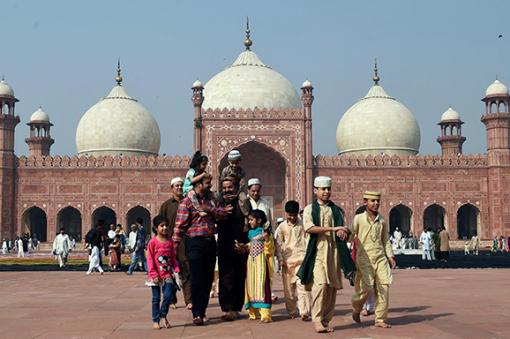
[(198, 158), (258, 214), (158, 219), (62, 229), (292, 206), (100, 222)]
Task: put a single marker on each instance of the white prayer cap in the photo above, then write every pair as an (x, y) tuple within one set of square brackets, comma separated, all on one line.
[(322, 182), (176, 180), (234, 155), (254, 181)]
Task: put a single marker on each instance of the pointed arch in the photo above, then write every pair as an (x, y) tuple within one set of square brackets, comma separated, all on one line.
[(401, 216), (361, 209), (468, 221), (104, 213), (35, 221), (70, 219), (139, 212), (434, 217), (270, 166)]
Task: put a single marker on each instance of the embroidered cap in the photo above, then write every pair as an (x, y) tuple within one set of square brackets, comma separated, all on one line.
[(371, 195), (176, 180), (234, 155), (322, 182), (254, 181)]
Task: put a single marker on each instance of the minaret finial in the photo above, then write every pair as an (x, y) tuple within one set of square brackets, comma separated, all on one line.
[(118, 78), (376, 74), (247, 41)]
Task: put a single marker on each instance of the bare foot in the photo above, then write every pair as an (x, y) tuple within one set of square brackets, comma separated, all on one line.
[(355, 316), (364, 313), (166, 324), (319, 328), (382, 324), (156, 326), (305, 317)]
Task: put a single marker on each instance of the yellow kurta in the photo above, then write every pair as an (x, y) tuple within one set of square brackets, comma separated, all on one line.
[(374, 248), (374, 271), (326, 269), (291, 241)]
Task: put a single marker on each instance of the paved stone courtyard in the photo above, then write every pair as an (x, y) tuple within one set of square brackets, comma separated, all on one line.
[(440, 303)]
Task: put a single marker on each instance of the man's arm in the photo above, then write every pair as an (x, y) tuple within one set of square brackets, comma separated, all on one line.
[(182, 222)]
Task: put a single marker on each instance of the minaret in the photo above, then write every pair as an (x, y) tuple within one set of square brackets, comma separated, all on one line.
[(497, 123), (451, 138), (307, 100), (8, 122), (198, 99), (40, 141)]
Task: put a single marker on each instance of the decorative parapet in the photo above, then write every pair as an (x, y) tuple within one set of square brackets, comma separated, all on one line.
[(471, 160), (250, 114), (175, 162)]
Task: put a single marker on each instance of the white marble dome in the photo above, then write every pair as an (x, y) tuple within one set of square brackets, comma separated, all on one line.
[(378, 124), (450, 114), (5, 89), (40, 116), (249, 83), (496, 88), (117, 125)]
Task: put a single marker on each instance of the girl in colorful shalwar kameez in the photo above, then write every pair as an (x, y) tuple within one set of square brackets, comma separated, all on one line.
[(259, 268)]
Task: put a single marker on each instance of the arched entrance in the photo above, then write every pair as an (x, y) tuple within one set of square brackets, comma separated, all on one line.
[(70, 219), (106, 214), (361, 209), (434, 217), (139, 212), (468, 221), (261, 161), (35, 222), (400, 216)]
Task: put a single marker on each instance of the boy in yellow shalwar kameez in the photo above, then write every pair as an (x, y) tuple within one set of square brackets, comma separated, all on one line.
[(373, 260)]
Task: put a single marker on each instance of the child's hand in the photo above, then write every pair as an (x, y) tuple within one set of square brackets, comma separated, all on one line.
[(156, 280)]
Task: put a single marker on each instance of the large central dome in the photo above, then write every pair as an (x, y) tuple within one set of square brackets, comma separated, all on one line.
[(378, 124), (249, 83), (117, 125)]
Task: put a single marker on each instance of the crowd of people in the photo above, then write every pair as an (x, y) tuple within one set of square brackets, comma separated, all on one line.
[(228, 239), (22, 245)]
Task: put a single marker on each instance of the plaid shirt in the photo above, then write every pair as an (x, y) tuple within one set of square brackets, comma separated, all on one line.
[(189, 222)]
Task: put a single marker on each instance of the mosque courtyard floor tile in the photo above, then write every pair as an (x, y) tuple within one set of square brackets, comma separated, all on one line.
[(441, 303)]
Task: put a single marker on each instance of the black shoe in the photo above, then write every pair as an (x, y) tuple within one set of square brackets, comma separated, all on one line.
[(351, 276)]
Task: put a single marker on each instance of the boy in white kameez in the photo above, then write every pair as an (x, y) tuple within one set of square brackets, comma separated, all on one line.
[(291, 240), (61, 247)]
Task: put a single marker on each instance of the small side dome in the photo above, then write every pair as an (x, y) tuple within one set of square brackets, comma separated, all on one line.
[(306, 84), (197, 84), (5, 89), (496, 88), (449, 115), (40, 116)]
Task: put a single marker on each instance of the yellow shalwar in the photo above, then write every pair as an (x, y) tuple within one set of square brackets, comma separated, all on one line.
[(327, 277), (373, 269), (291, 240)]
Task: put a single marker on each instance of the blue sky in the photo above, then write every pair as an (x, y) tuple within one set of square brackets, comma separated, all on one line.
[(62, 55)]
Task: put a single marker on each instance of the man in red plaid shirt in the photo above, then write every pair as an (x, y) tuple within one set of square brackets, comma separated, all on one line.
[(198, 233)]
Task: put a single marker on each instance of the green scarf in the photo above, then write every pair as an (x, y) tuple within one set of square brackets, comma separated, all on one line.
[(348, 266)]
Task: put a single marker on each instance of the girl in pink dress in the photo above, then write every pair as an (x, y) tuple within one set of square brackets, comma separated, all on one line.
[(162, 264)]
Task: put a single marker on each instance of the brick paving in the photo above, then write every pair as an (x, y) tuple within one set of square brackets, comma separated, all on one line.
[(443, 303)]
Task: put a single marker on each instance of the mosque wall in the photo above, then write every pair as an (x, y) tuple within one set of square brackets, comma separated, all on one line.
[(416, 183), (87, 183)]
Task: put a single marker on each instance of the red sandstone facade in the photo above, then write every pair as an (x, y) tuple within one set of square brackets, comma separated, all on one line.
[(464, 193)]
